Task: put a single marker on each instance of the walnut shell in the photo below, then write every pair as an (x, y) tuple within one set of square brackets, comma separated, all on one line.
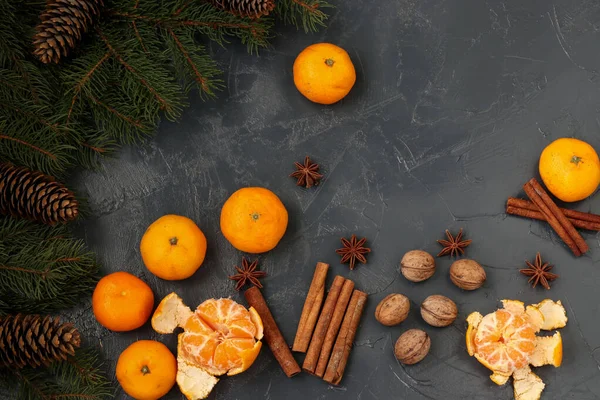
[(438, 310), (417, 265), (393, 309), (467, 274), (412, 346)]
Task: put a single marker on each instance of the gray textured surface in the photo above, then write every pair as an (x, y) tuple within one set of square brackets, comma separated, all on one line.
[(454, 101)]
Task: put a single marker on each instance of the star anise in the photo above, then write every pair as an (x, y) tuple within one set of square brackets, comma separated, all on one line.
[(353, 251), (454, 245), (539, 272), (308, 174), (248, 274)]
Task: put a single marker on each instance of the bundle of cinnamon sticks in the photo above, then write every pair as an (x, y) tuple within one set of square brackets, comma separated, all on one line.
[(326, 334), (563, 221)]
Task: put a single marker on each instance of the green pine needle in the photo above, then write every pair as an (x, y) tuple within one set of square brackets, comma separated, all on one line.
[(42, 269), (135, 66), (79, 378), (309, 14)]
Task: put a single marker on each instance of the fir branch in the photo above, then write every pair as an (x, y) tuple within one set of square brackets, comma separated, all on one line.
[(180, 9), (81, 377), (135, 122), (54, 127), (202, 81), (137, 32), (31, 146), (216, 24), (191, 62), (308, 13), (99, 150), (42, 269), (83, 80), (168, 101)]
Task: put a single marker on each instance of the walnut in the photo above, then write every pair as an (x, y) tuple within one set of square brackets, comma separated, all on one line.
[(467, 274), (393, 309), (417, 265), (438, 310), (412, 346)]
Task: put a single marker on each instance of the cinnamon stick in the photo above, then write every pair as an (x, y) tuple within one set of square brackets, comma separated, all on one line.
[(551, 218), (310, 311), (564, 228), (343, 344), (272, 334), (571, 214), (536, 214), (316, 343), (334, 326)]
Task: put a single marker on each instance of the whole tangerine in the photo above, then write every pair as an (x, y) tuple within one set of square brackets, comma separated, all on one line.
[(173, 247), (146, 370), (122, 302), (324, 73), (570, 169), (254, 220)]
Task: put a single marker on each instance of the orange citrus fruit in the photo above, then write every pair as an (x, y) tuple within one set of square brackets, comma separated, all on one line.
[(324, 73), (173, 247), (219, 337), (570, 169), (146, 370), (254, 220), (504, 342), (122, 302)]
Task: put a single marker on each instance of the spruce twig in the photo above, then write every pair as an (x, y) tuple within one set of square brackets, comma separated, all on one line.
[(42, 269), (136, 65), (308, 13), (81, 377)]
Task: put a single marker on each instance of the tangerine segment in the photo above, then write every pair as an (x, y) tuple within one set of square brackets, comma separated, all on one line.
[(248, 357), (227, 317), (197, 325), (199, 349), (504, 342), (228, 353), (219, 337)]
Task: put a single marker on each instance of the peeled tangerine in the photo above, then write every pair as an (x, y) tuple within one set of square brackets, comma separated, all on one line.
[(220, 337), (505, 342)]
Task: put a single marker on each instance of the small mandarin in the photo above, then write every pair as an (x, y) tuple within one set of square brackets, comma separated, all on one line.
[(324, 73), (146, 370), (173, 247), (220, 336), (570, 169), (254, 220), (122, 302)]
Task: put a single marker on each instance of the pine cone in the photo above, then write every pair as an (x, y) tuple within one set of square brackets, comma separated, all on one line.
[(63, 24), (246, 8), (35, 196), (35, 340)]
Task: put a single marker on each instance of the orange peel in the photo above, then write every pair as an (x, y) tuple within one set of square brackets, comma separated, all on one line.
[(505, 342), (220, 337)]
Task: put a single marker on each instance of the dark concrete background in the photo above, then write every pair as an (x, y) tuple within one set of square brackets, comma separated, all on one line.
[(453, 104)]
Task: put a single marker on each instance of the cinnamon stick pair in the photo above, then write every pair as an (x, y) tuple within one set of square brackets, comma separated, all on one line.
[(527, 209), (555, 217)]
